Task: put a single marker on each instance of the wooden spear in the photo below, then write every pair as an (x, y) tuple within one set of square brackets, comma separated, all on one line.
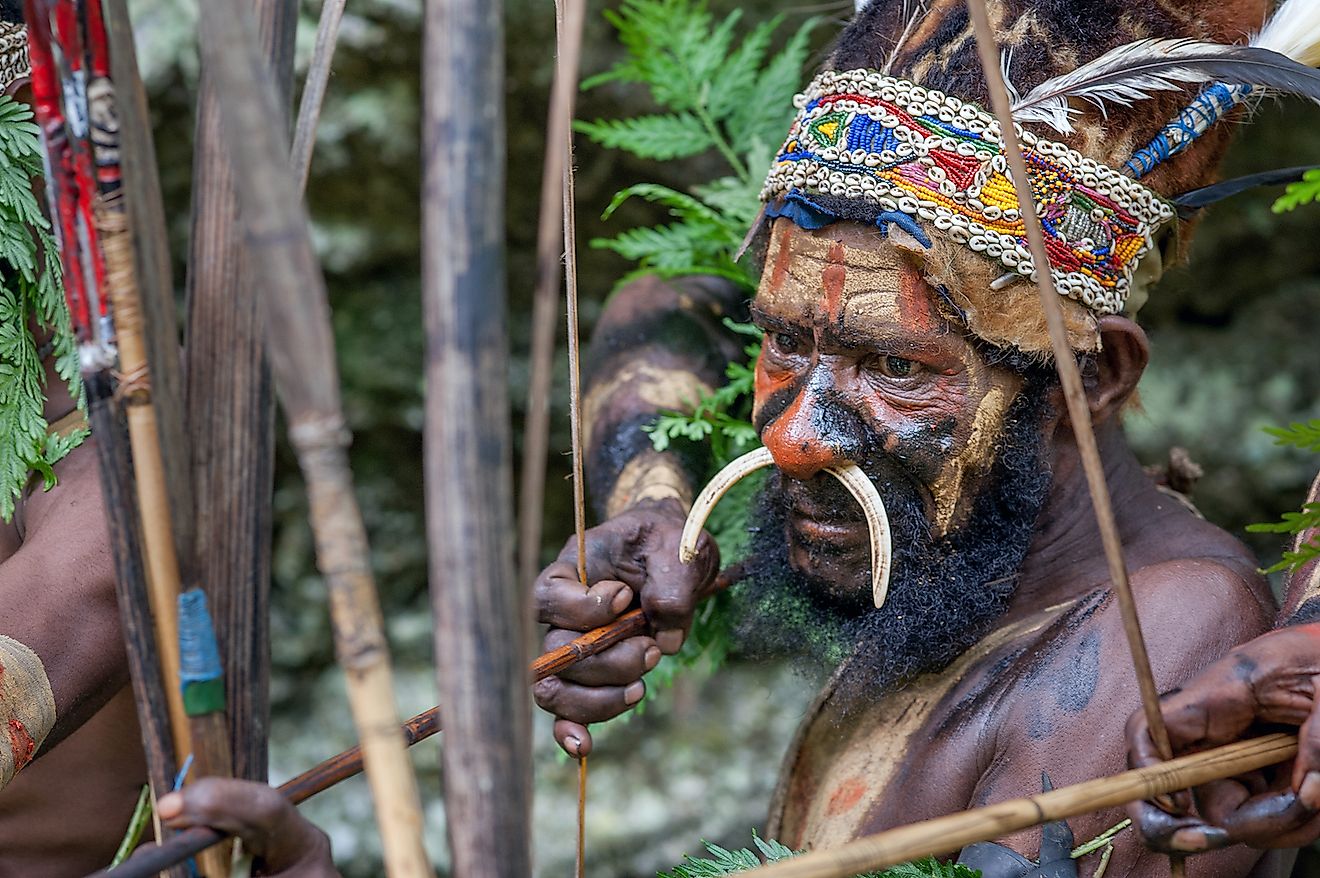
[(301, 349), (318, 78), (1079, 413), (482, 614), (231, 409)]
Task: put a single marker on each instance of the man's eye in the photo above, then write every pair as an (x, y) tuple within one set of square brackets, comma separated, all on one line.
[(896, 367), (786, 342)]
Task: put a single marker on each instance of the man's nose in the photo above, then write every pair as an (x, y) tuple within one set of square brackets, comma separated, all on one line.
[(812, 433)]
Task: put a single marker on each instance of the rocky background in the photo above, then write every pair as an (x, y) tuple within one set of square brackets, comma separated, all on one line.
[(1234, 340)]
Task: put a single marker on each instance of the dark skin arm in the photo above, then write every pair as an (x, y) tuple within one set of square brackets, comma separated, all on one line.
[(57, 594), (658, 345)]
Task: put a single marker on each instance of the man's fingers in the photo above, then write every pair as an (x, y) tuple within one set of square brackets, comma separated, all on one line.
[(1171, 834), (586, 704), (1306, 767), (573, 737), (253, 812), (562, 602), (1267, 820), (619, 665)]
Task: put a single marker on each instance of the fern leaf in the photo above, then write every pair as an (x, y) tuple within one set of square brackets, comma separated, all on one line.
[(1303, 435), (663, 137), (736, 77), (681, 205), (1304, 191), (766, 112)]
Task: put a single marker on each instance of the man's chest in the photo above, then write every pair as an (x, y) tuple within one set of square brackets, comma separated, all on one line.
[(917, 753)]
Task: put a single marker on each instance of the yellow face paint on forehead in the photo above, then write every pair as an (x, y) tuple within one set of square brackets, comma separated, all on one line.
[(829, 280)]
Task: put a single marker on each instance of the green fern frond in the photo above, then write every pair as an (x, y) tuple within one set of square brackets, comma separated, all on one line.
[(660, 137), (706, 82), (1297, 194), (726, 862), (30, 292), (1303, 435)]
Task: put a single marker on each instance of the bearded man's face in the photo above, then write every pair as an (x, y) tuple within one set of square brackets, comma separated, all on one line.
[(859, 364)]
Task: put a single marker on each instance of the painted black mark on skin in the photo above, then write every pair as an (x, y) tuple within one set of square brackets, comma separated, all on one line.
[(1081, 673)]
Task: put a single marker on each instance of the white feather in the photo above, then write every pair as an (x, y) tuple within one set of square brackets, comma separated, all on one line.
[(1123, 75), (1294, 30), (859, 5)]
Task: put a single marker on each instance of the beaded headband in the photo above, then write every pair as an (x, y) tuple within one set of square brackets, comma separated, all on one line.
[(918, 153)]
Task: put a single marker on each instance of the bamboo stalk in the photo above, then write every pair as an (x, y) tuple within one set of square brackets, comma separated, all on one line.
[(231, 410), (301, 350), (944, 835), (483, 614), (318, 77)]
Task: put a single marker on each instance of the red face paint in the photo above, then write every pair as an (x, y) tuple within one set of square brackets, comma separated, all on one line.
[(832, 281)]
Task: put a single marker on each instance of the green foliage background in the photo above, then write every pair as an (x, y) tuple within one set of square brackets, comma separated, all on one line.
[(1234, 347)]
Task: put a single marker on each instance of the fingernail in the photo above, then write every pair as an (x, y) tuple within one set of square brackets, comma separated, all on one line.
[(670, 641), (169, 805), (634, 693), (621, 600), (572, 744), (1309, 792), (652, 657)]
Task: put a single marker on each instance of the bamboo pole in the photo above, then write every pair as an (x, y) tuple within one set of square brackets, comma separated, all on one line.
[(301, 350), (944, 835), (231, 410), (482, 613), (318, 78)]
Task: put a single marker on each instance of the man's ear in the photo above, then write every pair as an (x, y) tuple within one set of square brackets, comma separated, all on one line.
[(1124, 353)]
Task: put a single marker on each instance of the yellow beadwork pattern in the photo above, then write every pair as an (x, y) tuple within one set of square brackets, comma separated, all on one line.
[(861, 135)]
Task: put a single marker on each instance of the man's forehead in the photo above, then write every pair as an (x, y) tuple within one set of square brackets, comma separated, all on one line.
[(845, 276)]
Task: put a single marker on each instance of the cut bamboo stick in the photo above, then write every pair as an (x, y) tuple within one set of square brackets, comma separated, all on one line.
[(318, 78), (944, 835), (301, 350)]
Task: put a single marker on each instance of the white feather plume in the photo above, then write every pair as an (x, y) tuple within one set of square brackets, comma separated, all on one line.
[(1293, 30), (1132, 72)]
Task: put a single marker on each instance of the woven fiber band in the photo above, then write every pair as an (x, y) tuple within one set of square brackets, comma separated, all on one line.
[(862, 135)]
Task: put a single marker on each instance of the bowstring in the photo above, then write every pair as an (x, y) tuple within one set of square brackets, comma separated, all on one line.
[(570, 16)]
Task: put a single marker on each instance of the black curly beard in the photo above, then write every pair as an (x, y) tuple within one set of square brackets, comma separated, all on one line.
[(945, 594)]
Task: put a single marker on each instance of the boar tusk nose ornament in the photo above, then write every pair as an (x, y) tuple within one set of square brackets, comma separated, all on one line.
[(852, 477)]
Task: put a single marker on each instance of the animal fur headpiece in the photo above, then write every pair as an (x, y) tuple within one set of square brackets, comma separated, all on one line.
[(1117, 103)]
